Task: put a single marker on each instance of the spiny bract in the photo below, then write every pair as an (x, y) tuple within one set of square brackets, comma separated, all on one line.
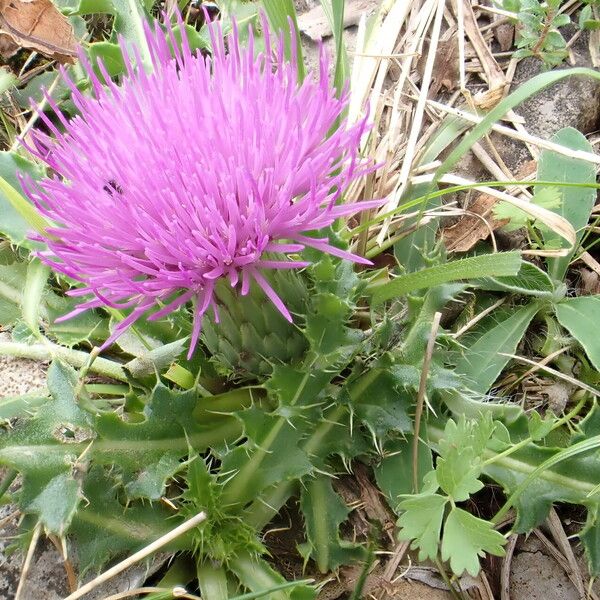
[(194, 169)]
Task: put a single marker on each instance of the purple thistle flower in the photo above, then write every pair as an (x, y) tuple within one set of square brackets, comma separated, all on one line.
[(203, 168)]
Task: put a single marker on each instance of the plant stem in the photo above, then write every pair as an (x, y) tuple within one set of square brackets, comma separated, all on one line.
[(456, 594), (6, 482), (536, 50), (529, 440), (76, 358)]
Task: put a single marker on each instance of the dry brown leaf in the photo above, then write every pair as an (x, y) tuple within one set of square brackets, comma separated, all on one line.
[(505, 36), (38, 25), (8, 47), (492, 73), (528, 168), (472, 228), (488, 99), (589, 283), (445, 67)]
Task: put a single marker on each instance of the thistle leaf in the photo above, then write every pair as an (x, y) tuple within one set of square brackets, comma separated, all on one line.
[(324, 512), (104, 528), (394, 472), (257, 464)]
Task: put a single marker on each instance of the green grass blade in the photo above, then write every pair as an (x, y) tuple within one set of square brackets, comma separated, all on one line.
[(278, 13), (334, 11)]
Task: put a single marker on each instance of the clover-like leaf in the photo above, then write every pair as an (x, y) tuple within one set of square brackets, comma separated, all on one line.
[(458, 474), (421, 521), (466, 538)]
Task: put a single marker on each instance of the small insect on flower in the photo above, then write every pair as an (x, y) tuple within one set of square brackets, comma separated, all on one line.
[(193, 170)]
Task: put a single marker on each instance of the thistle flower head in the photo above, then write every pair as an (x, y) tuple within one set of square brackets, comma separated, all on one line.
[(191, 171)]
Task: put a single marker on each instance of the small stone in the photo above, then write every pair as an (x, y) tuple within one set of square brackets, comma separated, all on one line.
[(571, 102)]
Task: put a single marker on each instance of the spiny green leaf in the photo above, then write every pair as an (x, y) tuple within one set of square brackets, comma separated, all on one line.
[(421, 521), (224, 535), (294, 387), (57, 502), (383, 405), (50, 489), (395, 471), (104, 528), (150, 483), (62, 431), (257, 464), (169, 426), (324, 512), (466, 538), (336, 288)]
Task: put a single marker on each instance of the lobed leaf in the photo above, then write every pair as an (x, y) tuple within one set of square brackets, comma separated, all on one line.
[(421, 521), (466, 538)]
